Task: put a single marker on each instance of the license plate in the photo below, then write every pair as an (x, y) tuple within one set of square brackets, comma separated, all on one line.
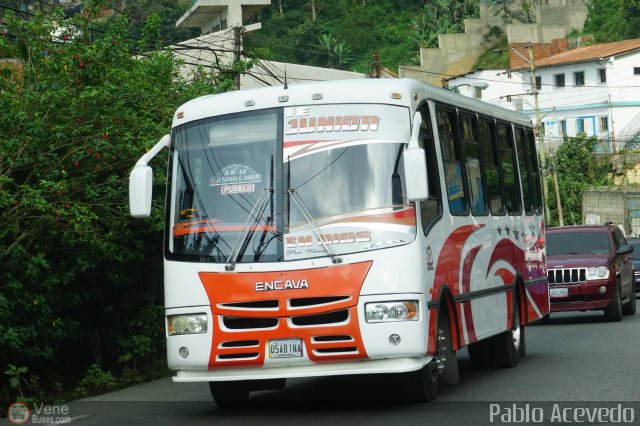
[(559, 292), (285, 348)]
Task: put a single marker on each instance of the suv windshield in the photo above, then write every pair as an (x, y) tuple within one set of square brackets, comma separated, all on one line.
[(234, 179), (559, 243)]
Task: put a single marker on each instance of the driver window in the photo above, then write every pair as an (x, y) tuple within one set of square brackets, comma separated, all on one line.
[(431, 208)]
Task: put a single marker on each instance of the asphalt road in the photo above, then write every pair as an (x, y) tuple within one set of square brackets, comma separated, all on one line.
[(574, 361)]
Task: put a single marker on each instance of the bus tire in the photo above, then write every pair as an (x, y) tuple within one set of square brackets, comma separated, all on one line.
[(506, 346), (522, 350), (613, 312), (443, 369), (480, 354), (425, 384)]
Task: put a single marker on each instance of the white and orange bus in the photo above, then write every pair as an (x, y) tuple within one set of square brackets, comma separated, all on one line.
[(346, 227)]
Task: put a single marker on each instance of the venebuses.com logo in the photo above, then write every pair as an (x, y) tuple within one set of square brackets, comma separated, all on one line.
[(20, 413)]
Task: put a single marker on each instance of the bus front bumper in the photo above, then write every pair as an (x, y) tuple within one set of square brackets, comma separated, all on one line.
[(380, 366)]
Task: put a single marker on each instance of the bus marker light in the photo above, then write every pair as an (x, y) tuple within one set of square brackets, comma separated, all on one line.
[(316, 96), (395, 95)]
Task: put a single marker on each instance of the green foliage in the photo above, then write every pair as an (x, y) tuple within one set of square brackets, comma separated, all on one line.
[(613, 20), (16, 375), (496, 56), (515, 10), (441, 17), (577, 169), (336, 52), (396, 29), (605, 20), (77, 274), (95, 382)]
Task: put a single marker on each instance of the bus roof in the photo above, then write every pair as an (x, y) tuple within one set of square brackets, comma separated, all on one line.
[(354, 91)]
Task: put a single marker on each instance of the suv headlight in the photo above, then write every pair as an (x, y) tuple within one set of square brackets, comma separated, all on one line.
[(406, 310), (599, 273), (187, 324)]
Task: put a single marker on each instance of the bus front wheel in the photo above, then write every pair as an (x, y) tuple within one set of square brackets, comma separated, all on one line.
[(443, 369)]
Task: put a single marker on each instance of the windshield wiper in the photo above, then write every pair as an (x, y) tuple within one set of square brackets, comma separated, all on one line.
[(259, 207), (262, 245), (243, 238), (310, 219)]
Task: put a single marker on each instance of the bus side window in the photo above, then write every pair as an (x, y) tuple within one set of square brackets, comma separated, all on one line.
[(453, 173), (525, 171), (507, 162), (492, 168), (472, 164), (431, 208)]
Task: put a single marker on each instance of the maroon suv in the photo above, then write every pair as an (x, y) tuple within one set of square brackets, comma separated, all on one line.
[(589, 268)]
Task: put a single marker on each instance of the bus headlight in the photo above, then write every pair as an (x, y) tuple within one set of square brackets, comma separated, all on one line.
[(187, 324), (599, 273), (406, 310)]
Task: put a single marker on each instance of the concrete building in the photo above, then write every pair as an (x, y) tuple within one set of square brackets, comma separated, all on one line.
[(222, 25)]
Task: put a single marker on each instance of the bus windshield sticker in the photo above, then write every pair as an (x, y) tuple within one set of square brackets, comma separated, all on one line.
[(236, 179)]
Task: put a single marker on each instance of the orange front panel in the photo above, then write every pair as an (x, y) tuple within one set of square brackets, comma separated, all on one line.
[(318, 306)]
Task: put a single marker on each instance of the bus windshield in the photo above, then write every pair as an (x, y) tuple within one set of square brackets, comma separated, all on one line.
[(243, 189)]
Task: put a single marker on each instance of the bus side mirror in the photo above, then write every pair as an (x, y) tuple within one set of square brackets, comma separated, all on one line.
[(140, 183), (415, 172)]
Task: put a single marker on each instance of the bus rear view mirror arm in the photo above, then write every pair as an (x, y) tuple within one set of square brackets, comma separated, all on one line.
[(415, 165), (141, 181)]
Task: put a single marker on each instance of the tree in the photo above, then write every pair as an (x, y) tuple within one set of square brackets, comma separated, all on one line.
[(631, 11), (606, 21), (77, 274), (337, 53), (577, 169), (441, 17)]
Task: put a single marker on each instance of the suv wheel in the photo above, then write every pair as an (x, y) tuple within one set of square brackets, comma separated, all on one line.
[(613, 312), (630, 308)]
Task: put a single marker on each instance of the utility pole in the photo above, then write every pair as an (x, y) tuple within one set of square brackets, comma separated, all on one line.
[(540, 131), (612, 133), (376, 64), (237, 47)]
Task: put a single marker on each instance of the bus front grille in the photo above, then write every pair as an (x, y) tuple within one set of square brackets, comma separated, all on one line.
[(249, 323), (328, 318)]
